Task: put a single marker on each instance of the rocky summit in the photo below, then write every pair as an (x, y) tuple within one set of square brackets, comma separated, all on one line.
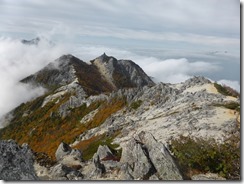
[(107, 120)]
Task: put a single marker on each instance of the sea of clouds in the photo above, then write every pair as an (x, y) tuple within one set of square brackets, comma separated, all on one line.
[(18, 61)]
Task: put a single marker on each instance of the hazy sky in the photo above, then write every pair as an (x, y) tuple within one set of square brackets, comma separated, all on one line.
[(167, 24), (198, 30), (171, 40)]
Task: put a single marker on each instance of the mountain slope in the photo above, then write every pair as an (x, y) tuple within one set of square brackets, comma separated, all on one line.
[(91, 77), (114, 103)]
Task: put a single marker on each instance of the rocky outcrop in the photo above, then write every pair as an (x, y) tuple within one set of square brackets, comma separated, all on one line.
[(63, 150), (136, 156), (104, 152), (140, 160), (121, 73), (147, 157), (99, 168), (160, 157), (68, 165), (196, 80), (55, 74), (66, 155), (16, 162), (63, 172), (104, 74)]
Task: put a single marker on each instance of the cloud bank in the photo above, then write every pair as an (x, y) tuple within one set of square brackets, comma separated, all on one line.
[(168, 70), (164, 70), (18, 61)]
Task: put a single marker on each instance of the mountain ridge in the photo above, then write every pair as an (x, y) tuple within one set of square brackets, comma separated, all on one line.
[(109, 120), (64, 70)]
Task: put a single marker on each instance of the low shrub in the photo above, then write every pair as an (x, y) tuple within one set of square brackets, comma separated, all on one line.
[(226, 90), (230, 105), (89, 147), (135, 105), (195, 154)]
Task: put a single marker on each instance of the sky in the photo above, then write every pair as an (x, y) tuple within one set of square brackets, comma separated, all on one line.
[(171, 40)]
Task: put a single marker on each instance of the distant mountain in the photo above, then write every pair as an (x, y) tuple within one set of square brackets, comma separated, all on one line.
[(34, 41), (108, 120), (103, 74)]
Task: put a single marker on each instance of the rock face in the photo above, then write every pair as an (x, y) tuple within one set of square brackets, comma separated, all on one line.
[(63, 150), (63, 172), (104, 151), (66, 155), (160, 157), (99, 167), (104, 74), (16, 162), (147, 157), (135, 155), (69, 163), (121, 73), (140, 160)]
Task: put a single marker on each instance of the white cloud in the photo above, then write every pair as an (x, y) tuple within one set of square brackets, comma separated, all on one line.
[(233, 84), (18, 61), (208, 23), (175, 70), (158, 36), (169, 70)]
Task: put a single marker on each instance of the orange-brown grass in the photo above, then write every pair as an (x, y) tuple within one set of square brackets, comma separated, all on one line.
[(105, 112), (44, 133)]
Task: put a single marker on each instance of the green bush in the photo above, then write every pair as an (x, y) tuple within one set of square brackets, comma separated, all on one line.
[(230, 105), (226, 90), (135, 105), (89, 147), (207, 156)]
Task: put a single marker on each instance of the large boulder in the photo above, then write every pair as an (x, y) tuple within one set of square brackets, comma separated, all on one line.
[(104, 152), (98, 167), (134, 154), (160, 157), (63, 150), (147, 159), (69, 157), (16, 162), (125, 171), (63, 172)]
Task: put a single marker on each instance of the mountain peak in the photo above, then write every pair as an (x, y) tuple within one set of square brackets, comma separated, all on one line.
[(66, 56), (104, 55), (38, 40), (104, 74), (34, 41), (104, 58)]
